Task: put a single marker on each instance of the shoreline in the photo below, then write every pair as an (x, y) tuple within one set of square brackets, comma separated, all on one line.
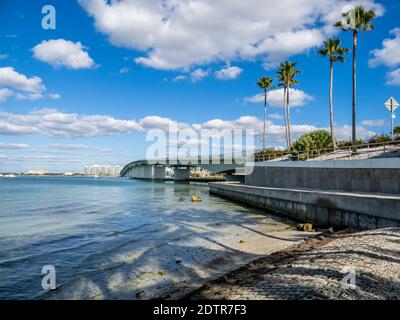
[(200, 259)]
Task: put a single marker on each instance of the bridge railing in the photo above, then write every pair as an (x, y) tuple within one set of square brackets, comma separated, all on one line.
[(370, 150)]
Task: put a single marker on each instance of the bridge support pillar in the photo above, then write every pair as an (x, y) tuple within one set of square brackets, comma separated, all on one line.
[(182, 174), (147, 172), (158, 172), (132, 172)]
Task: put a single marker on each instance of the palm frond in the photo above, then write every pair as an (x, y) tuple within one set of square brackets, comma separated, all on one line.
[(331, 48)]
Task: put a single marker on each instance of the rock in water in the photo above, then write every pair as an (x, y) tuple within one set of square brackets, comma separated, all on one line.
[(196, 199), (181, 199), (308, 227)]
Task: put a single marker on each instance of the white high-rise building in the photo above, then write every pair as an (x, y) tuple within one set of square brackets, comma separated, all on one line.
[(101, 170)]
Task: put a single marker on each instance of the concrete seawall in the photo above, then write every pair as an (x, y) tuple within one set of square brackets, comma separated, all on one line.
[(362, 194), (324, 208), (351, 179)]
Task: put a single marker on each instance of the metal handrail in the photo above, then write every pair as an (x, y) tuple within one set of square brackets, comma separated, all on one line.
[(311, 154)]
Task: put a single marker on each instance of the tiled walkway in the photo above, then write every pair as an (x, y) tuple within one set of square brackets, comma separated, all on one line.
[(316, 270)]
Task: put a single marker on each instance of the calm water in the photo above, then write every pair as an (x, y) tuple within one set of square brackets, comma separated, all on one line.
[(80, 225)]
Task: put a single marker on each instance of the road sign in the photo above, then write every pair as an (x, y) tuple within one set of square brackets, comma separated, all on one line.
[(392, 104)]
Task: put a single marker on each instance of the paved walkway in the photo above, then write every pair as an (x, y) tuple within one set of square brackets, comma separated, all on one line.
[(315, 269)]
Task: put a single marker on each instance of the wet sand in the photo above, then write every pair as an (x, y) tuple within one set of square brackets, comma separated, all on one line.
[(184, 262)]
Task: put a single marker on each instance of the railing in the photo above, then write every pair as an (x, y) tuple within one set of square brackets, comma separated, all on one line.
[(382, 149)]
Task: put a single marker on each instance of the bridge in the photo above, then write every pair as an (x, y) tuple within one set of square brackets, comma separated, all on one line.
[(155, 169)]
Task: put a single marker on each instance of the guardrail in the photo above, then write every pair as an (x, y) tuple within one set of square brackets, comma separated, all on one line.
[(383, 149)]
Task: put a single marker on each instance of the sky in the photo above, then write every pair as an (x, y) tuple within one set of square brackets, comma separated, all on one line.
[(89, 91)]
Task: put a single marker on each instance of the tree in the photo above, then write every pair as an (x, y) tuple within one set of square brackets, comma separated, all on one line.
[(380, 138), (309, 143), (335, 53), (286, 73), (265, 83), (282, 83), (355, 20)]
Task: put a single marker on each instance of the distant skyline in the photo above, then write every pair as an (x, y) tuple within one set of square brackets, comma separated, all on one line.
[(88, 91)]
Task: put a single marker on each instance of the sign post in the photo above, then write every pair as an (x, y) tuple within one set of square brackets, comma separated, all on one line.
[(392, 105)]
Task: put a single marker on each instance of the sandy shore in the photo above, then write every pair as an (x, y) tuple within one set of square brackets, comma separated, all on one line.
[(182, 264), (316, 269)]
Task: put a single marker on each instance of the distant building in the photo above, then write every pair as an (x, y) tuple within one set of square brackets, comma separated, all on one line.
[(199, 172), (99, 170), (36, 172)]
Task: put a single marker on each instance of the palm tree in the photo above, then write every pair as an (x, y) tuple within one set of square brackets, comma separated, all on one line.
[(286, 73), (265, 83), (282, 83), (354, 20), (335, 53)]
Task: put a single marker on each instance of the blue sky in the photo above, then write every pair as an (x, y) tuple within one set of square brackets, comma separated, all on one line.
[(133, 59)]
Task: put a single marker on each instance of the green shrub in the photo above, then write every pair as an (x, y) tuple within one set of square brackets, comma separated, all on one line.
[(380, 138), (308, 144), (270, 153), (396, 131), (349, 143)]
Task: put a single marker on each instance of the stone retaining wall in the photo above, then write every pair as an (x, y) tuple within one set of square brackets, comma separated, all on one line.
[(324, 208), (371, 180)]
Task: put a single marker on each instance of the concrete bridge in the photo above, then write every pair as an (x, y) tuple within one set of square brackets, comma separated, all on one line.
[(144, 169)]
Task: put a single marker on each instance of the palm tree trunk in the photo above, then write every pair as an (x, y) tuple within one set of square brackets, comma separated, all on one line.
[(354, 138), (285, 115), (288, 116), (331, 104), (265, 116)]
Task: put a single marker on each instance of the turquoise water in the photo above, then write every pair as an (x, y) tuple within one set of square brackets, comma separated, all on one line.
[(83, 225)]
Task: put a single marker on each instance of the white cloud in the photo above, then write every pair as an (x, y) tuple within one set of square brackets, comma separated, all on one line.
[(275, 98), (177, 34), (228, 73), (179, 78), (42, 159), (5, 93), (63, 53), (124, 70), (285, 44), (29, 96), (74, 147), (39, 111), (389, 55), (16, 129), (198, 75), (344, 132), (393, 77), (54, 96), (276, 116), (8, 146), (14, 80), (373, 123), (3, 56), (194, 76), (53, 123), (13, 83), (157, 122), (276, 133)]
